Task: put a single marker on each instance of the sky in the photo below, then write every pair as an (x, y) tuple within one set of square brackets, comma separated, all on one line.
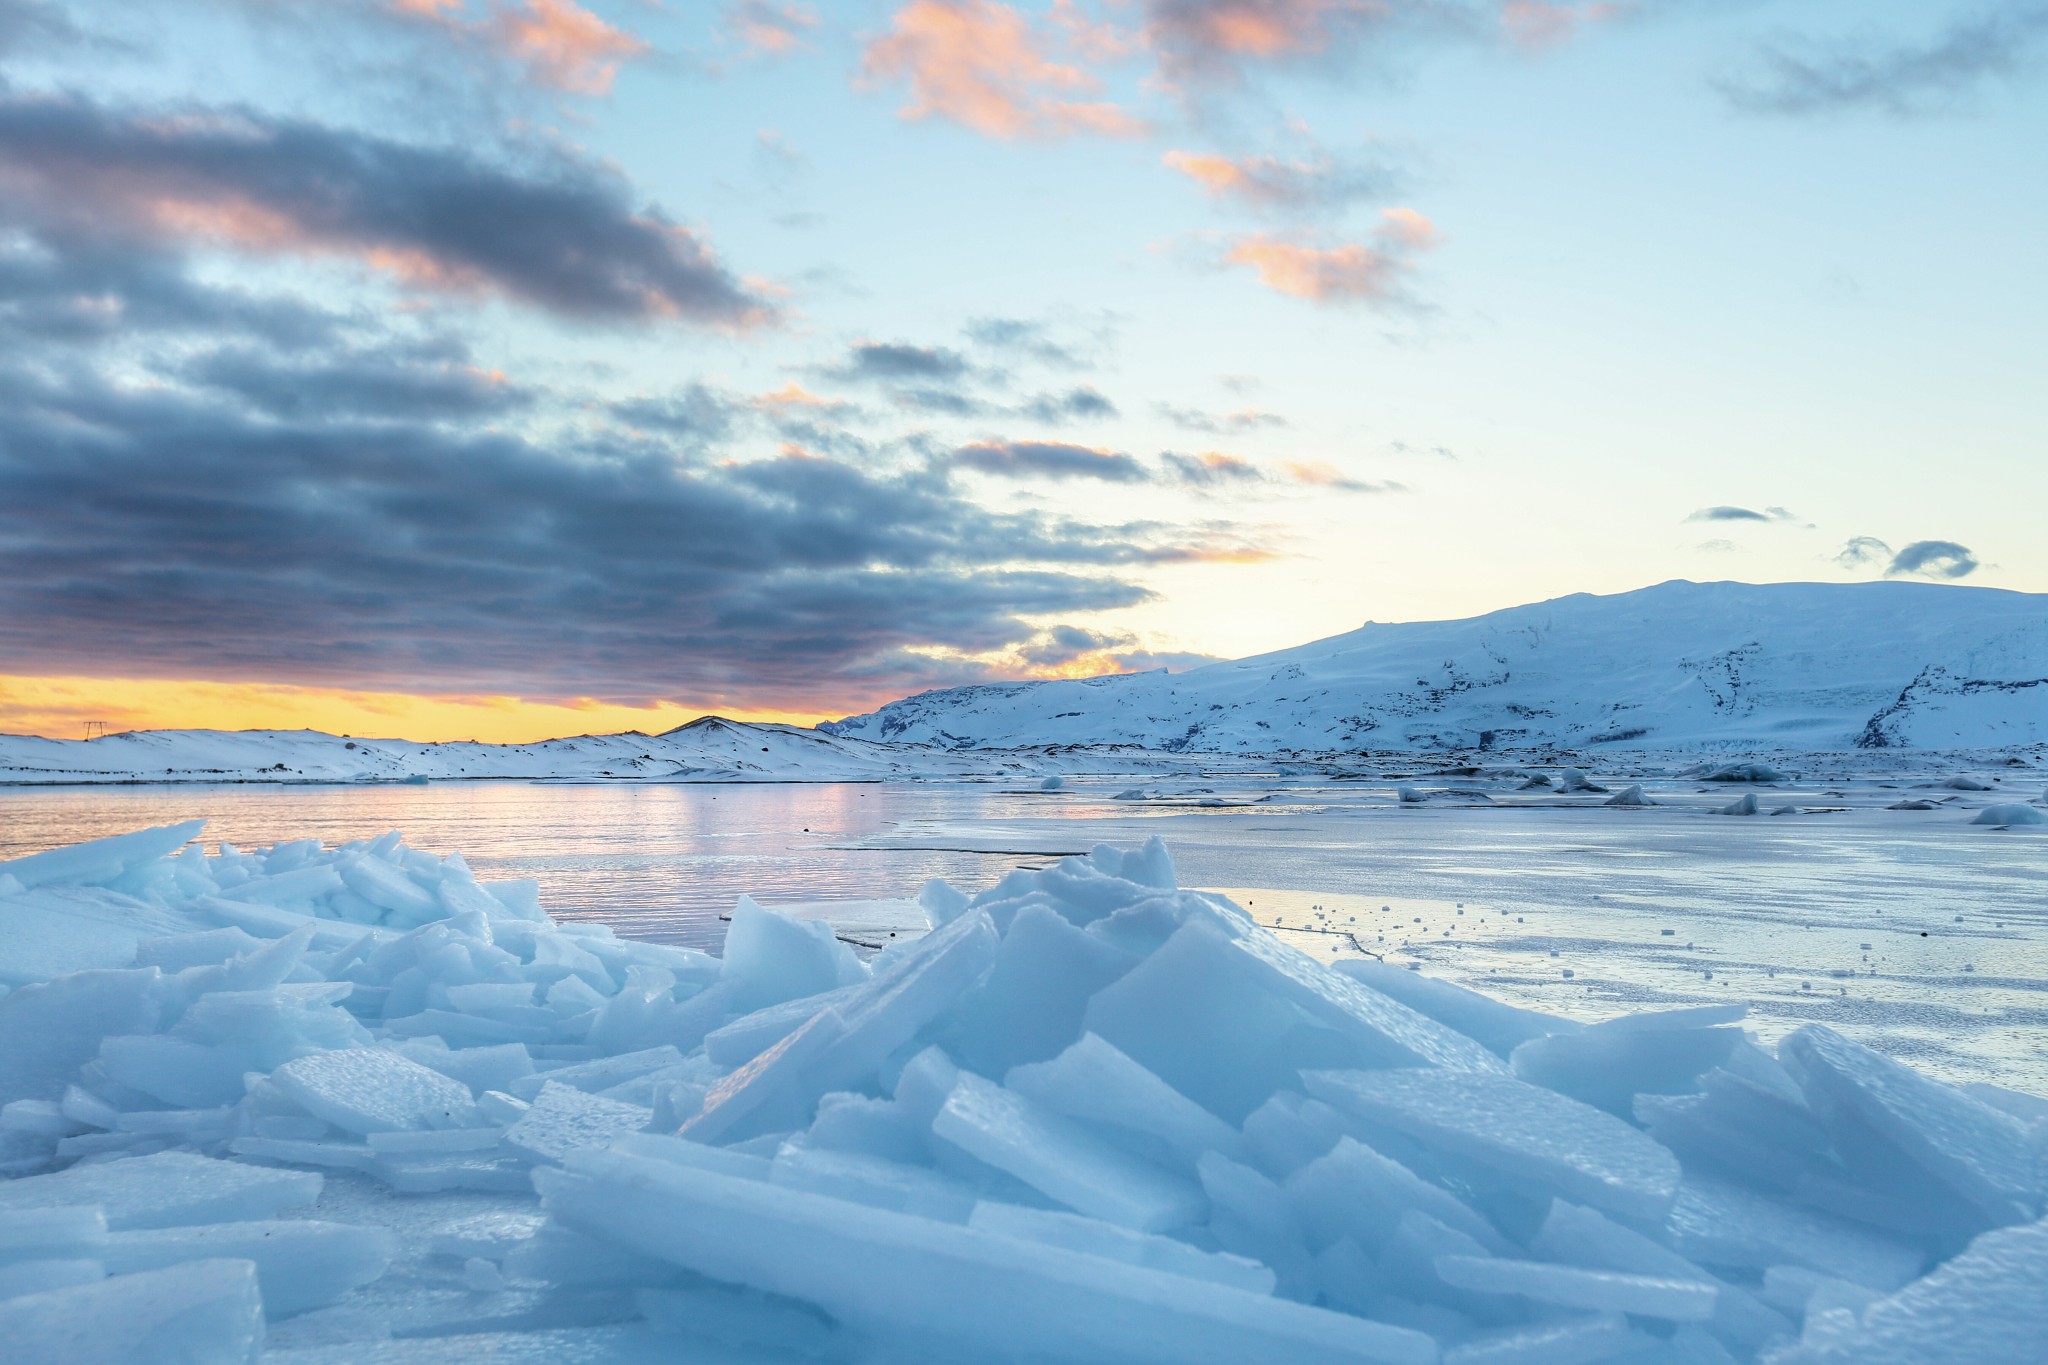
[(502, 369)]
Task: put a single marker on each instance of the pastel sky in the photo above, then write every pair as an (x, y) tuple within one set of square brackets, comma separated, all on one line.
[(508, 368)]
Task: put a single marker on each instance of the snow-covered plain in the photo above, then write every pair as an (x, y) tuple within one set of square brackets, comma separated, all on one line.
[(352, 1105)]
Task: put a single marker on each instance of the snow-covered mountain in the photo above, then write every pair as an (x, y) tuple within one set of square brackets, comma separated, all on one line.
[(711, 749), (1677, 666)]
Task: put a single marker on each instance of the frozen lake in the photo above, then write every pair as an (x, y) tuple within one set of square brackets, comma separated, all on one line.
[(1914, 931)]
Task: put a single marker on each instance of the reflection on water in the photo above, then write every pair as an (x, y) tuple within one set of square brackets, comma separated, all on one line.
[(657, 862)]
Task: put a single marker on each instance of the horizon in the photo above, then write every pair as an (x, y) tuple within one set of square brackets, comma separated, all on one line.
[(812, 723), (511, 369)]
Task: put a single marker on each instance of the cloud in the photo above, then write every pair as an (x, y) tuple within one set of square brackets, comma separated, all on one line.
[(1345, 273), (695, 411), (1933, 559), (1031, 340), (896, 361), (1050, 460), (1931, 75), (768, 29), (1538, 25), (32, 25), (182, 531), (1198, 419), (1861, 551), (1269, 183), (558, 232), (982, 65), (371, 385), (1716, 546), (557, 43), (1726, 513), (1211, 469), (1082, 402), (1065, 644), (1322, 474)]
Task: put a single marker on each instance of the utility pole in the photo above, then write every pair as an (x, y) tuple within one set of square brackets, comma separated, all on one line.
[(95, 729)]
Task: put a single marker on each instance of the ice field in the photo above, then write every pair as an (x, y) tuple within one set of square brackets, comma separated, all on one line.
[(355, 1103)]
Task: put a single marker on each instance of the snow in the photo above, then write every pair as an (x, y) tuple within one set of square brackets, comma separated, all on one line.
[(1089, 1115)]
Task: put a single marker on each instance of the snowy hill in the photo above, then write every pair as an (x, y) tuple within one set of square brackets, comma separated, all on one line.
[(1677, 666), (711, 749)]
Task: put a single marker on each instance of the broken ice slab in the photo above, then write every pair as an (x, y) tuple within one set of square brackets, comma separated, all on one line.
[(1990, 1303), (957, 1292), (1603, 1291), (842, 1047), (166, 1189), (1098, 1238), (563, 1119), (300, 1264), (1498, 1027), (370, 1090), (1093, 1081), (1524, 1134), (1719, 1223), (772, 957), (1267, 1012), (1608, 1064), (1352, 1191), (1063, 1160), (99, 862), (1889, 1120), (207, 1311)]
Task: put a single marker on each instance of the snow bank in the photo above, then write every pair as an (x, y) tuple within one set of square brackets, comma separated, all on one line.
[(1089, 1116)]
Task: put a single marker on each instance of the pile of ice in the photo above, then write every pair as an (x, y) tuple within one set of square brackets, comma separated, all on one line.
[(1088, 1117)]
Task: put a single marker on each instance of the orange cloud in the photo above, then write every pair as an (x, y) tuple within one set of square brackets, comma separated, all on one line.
[(981, 65), (60, 706), (792, 396), (1352, 272), (559, 43), (1536, 24), (769, 29), (1217, 174)]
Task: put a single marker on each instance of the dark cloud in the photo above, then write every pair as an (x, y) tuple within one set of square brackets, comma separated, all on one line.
[(1867, 73), (1861, 551), (176, 532), (1726, 513), (1050, 460), (1197, 419), (30, 25), (1080, 403), (389, 384), (695, 410), (1064, 644), (1933, 559), (897, 362), (552, 230), (939, 401)]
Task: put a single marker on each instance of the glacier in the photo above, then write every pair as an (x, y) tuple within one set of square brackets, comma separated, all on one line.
[(353, 1104)]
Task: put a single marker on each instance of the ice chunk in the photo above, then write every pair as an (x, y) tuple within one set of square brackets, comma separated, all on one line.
[(1608, 1064), (1575, 780), (2011, 813), (1061, 1159), (1985, 1305), (496, 1067), (1603, 1291), (1495, 1026), (207, 1311), (564, 1119), (1719, 1223), (53, 1028), (843, 1047), (370, 1090), (962, 1293), (299, 1264), (1520, 1131), (1563, 1343), (600, 1073), (780, 1328), (748, 1036), (776, 957), (1629, 796), (59, 1232), (1746, 804), (1743, 772), (1097, 1238), (1031, 1005), (34, 1277), (1890, 1119), (1092, 1080), (165, 1189), (1354, 1192), (100, 862), (1268, 1011)]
